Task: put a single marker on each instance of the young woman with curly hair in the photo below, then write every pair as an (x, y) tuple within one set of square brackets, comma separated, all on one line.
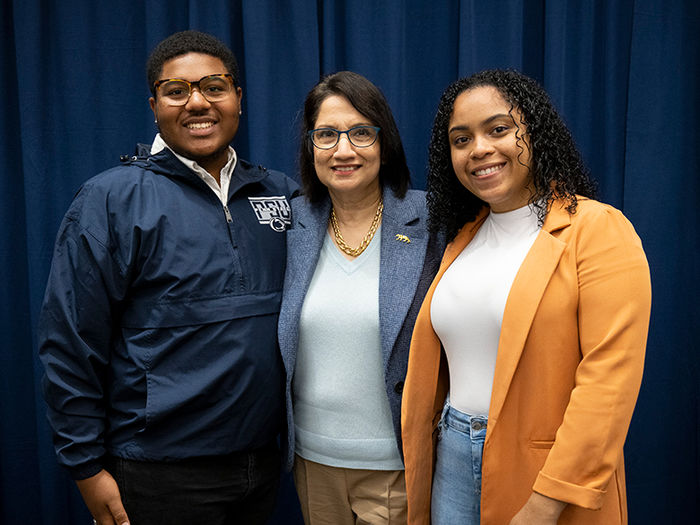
[(528, 351)]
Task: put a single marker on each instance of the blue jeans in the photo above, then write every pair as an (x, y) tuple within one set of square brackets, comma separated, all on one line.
[(456, 494)]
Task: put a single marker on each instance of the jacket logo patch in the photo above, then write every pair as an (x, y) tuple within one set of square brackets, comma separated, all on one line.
[(274, 211)]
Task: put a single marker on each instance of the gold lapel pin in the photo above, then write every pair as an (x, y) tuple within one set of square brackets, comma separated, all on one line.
[(402, 238)]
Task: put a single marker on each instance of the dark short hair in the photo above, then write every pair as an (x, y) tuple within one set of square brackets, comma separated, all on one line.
[(184, 42), (556, 166), (368, 100)]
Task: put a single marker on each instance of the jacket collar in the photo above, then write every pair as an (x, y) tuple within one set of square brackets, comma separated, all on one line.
[(557, 218), (399, 211), (166, 163)]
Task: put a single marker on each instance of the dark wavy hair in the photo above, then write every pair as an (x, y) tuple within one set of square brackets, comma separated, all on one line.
[(556, 165), (368, 100), (184, 42)]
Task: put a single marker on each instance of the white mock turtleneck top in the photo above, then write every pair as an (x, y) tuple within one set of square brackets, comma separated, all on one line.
[(468, 304)]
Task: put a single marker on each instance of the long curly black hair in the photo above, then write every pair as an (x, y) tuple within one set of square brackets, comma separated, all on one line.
[(556, 165)]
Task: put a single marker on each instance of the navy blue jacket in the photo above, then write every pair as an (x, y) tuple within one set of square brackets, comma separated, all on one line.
[(158, 327), (406, 270)]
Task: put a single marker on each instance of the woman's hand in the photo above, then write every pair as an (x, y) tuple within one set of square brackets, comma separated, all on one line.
[(539, 510)]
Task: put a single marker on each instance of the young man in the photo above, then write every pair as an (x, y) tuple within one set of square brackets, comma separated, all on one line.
[(158, 328)]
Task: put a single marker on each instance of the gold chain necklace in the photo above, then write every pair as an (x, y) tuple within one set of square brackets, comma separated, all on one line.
[(354, 252)]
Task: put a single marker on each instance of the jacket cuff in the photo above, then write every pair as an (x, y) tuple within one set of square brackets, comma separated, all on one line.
[(585, 497), (86, 470)]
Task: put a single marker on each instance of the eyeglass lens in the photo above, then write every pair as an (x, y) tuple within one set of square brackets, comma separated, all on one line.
[(177, 92), (360, 136)]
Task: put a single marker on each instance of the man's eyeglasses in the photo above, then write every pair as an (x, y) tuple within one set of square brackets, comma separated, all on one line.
[(359, 136), (176, 91)]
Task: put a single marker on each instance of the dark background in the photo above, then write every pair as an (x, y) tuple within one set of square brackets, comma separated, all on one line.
[(625, 74)]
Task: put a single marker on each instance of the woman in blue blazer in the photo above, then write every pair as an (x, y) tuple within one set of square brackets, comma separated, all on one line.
[(359, 262)]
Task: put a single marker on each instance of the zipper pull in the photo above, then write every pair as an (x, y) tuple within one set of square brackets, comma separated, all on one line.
[(228, 214)]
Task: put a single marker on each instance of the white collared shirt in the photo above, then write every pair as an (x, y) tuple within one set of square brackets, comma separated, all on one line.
[(221, 190)]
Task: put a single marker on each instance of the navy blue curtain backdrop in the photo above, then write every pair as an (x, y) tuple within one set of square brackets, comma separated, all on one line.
[(624, 73)]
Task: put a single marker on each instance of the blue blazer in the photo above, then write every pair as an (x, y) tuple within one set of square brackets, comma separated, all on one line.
[(406, 270)]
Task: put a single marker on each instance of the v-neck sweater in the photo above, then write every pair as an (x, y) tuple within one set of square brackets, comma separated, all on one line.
[(341, 411)]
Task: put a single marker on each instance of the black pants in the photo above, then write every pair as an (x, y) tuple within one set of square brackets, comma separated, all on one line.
[(217, 490)]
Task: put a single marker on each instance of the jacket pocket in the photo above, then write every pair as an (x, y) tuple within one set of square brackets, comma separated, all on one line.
[(541, 443)]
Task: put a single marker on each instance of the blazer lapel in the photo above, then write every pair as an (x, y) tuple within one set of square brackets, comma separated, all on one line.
[(524, 298), (403, 245), (304, 243), (463, 237)]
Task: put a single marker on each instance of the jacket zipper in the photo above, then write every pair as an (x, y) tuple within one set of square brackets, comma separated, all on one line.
[(236, 260)]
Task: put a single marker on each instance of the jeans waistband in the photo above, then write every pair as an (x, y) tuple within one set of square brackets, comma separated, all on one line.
[(463, 422)]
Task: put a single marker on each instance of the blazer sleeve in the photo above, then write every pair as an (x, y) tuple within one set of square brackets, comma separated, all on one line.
[(614, 306)]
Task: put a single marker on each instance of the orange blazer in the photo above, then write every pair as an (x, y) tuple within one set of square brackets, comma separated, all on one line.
[(568, 370)]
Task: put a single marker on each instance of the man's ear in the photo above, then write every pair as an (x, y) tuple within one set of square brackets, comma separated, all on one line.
[(152, 103)]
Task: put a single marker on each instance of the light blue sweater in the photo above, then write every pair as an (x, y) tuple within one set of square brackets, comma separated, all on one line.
[(408, 260), (341, 410)]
